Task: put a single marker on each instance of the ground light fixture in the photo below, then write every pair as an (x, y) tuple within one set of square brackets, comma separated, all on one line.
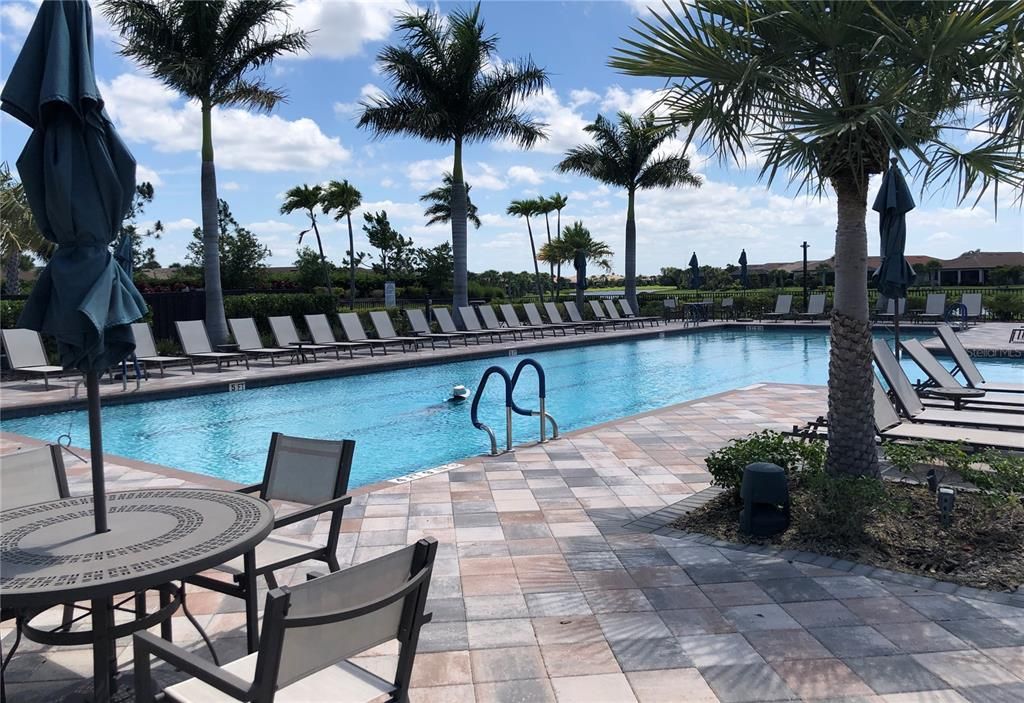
[(765, 495), (947, 499)]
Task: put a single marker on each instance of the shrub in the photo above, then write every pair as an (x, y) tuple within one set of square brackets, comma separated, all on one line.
[(1001, 476), (10, 311), (260, 306), (726, 465), (1005, 306), (838, 509), (991, 471)]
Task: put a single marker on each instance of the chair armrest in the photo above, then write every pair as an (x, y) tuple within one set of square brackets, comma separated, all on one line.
[(250, 489), (305, 513), (146, 643)]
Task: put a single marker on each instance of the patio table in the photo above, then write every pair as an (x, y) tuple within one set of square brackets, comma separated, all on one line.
[(955, 393), (51, 555)]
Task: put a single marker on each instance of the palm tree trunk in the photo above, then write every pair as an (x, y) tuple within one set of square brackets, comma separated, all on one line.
[(631, 251), (551, 264), (216, 324), (536, 266), (351, 265), (323, 259), (12, 267), (851, 418), (581, 280), (460, 285), (558, 270)]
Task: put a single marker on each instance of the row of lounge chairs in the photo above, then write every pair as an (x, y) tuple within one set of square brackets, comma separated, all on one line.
[(934, 309)]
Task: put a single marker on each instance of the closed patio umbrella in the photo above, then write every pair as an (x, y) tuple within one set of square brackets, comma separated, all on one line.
[(694, 271), (894, 274), (79, 179), (744, 279)]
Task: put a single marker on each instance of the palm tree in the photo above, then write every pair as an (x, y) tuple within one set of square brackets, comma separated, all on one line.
[(343, 197), (829, 92), (576, 245), (527, 209), (18, 231), (546, 207), (440, 208), (309, 198), (558, 202), (448, 87), (208, 50), (623, 156)]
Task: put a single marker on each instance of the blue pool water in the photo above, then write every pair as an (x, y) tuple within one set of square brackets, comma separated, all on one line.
[(401, 423)]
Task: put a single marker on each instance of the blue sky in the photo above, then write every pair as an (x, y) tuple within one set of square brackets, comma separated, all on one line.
[(312, 138)]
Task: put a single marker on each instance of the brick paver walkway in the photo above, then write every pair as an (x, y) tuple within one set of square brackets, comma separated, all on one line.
[(542, 593)]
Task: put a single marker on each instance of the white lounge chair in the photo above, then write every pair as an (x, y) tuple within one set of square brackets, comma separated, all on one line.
[(26, 355), (631, 314), (249, 343), (196, 343), (322, 334), (286, 336), (783, 306), (472, 324), (447, 324), (965, 365), (421, 328), (512, 320), (354, 332), (146, 353), (815, 307), (386, 331)]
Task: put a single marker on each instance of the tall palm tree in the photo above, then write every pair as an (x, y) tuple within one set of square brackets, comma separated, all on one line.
[(829, 92), (343, 197), (558, 202), (546, 207), (440, 208), (577, 246), (309, 199), (527, 209), (448, 87), (623, 155), (208, 50)]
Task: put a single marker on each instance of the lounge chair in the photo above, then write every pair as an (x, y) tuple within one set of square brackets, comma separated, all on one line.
[(815, 307), (312, 472), (490, 321), (614, 316), (311, 630), (890, 308), (965, 365), (939, 376), (533, 316), (472, 324), (26, 356), (286, 335), (512, 321), (196, 344), (934, 308), (627, 310), (421, 328), (556, 318), (322, 334), (575, 316), (728, 308), (447, 325), (972, 302), (146, 353), (912, 407), (783, 307), (354, 332), (601, 316), (250, 344), (385, 330)]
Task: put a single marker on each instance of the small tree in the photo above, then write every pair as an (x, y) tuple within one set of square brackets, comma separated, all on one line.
[(310, 268), (395, 250), (241, 253), (434, 267)]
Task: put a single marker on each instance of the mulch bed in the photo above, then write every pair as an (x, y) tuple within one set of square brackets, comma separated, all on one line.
[(983, 547)]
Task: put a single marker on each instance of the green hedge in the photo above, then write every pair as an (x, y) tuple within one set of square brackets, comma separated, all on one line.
[(10, 311)]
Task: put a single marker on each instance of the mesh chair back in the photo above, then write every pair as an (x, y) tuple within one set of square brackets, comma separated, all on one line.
[(244, 330), (284, 330), (816, 304), (885, 415), (893, 374), (24, 348), (444, 319), (489, 318), (533, 315), (192, 334), (936, 304), (352, 327), (382, 323), (972, 301), (598, 310), (960, 355), (573, 311), (928, 363), (309, 471), (469, 319), (613, 312), (32, 476), (783, 304), (627, 309), (552, 310), (320, 329), (727, 302), (418, 321), (328, 602), (509, 313), (144, 344)]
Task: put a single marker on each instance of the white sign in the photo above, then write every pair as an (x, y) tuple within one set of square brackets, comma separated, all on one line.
[(389, 294)]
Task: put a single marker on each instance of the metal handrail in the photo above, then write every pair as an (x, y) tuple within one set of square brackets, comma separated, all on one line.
[(511, 406), (508, 408), (541, 396)]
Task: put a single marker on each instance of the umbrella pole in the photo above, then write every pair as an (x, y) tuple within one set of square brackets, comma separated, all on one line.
[(99, 491), (896, 330)]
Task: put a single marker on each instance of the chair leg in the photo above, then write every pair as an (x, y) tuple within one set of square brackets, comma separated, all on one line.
[(252, 614)]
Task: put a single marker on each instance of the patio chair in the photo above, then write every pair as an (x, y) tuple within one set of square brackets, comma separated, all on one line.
[(313, 472), (614, 316), (249, 343), (385, 330), (939, 376), (447, 324), (196, 343), (911, 406), (934, 308), (472, 324), (285, 334), (783, 307), (26, 356), (576, 317), (535, 320), (490, 321), (965, 365), (146, 353), (815, 307), (601, 316), (728, 308), (556, 318), (352, 326), (322, 334), (508, 311), (889, 312), (972, 302), (310, 632), (627, 310), (421, 328)]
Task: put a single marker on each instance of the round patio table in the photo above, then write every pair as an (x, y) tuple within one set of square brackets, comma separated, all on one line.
[(957, 394), (51, 555)]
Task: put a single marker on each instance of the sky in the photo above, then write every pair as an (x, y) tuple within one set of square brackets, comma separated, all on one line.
[(313, 138)]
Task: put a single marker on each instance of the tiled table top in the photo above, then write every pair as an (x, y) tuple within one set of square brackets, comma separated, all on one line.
[(542, 593)]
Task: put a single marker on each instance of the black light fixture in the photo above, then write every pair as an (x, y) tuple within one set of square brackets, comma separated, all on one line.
[(947, 498), (765, 495)]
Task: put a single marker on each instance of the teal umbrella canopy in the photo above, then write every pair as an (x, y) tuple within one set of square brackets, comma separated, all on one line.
[(744, 277), (695, 278), (893, 202), (79, 179)]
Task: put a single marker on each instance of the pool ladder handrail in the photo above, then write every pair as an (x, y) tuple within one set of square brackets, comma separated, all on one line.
[(511, 406)]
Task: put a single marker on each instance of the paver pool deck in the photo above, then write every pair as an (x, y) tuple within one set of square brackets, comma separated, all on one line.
[(547, 588)]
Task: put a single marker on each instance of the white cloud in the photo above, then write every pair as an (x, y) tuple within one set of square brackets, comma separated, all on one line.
[(427, 173), (350, 110), (16, 18), (230, 186), (271, 227), (583, 96), (564, 124), (636, 102), (144, 173), (342, 28), (525, 174), (185, 224), (146, 111)]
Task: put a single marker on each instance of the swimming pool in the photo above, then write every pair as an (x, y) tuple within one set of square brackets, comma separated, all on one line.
[(401, 423)]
